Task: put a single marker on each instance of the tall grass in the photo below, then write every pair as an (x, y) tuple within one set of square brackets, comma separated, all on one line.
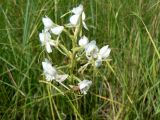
[(127, 88)]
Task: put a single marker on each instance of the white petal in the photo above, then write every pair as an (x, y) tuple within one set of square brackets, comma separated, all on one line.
[(57, 30), (83, 16), (83, 21), (78, 10), (41, 37), (104, 52), (47, 22), (48, 47), (84, 25), (61, 78), (74, 19), (83, 41)]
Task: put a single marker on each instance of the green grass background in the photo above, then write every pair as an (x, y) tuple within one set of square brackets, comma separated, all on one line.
[(126, 89)]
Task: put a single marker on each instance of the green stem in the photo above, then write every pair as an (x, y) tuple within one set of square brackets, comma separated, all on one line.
[(74, 45), (75, 36), (50, 100)]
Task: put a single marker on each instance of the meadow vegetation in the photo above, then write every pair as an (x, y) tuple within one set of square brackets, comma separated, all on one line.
[(125, 88)]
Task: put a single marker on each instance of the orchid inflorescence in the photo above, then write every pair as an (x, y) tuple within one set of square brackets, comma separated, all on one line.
[(94, 55)]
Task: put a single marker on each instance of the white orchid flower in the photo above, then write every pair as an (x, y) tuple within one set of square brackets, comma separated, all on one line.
[(78, 14), (102, 55), (50, 26), (91, 50), (51, 73), (45, 39), (84, 86), (83, 41), (104, 52)]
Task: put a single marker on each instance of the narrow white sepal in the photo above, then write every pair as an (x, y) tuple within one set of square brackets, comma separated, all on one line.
[(84, 25), (83, 21), (48, 47)]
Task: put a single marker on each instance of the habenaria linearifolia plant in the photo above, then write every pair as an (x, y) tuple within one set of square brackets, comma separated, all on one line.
[(81, 46)]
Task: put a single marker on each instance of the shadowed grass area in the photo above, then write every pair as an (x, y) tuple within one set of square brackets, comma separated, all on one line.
[(127, 88)]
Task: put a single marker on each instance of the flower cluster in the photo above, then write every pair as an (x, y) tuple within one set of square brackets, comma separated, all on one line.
[(50, 37), (93, 52)]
